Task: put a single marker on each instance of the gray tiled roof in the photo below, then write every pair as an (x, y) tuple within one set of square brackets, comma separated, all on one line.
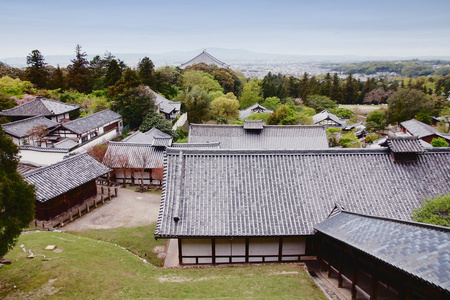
[(271, 137), (419, 249), (165, 105), (133, 155), (256, 124), (418, 128), (206, 58), (284, 193), (63, 176), (40, 106), (161, 141), (20, 128), (215, 145), (65, 144), (245, 113), (93, 121), (404, 144), (42, 149), (324, 115), (145, 137)]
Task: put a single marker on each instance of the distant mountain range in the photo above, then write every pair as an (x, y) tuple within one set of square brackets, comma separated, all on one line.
[(229, 56)]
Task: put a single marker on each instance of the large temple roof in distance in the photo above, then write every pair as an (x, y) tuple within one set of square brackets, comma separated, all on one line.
[(206, 58)]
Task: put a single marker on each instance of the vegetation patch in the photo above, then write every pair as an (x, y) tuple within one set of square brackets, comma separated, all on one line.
[(92, 269)]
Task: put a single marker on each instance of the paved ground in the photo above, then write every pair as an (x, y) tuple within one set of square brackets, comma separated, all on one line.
[(128, 209)]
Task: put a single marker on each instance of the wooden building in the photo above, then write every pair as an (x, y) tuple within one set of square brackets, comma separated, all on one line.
[(242, 206), (423, 131), (385, 258), (21, 131), (254, 135), (65, 184), (51, 109), (206, 58), (254, 109)]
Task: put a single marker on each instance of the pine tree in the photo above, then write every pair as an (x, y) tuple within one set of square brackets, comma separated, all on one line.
[(36, 72), (79, 75)]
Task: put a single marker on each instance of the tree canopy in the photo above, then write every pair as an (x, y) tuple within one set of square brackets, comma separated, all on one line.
[(16, 196), (226, 107), (154, 119), (197, 104), (434, 211), (404, 104), (251, 94)]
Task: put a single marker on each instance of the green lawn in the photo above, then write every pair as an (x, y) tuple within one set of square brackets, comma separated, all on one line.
[(88, 268), (362, 109)]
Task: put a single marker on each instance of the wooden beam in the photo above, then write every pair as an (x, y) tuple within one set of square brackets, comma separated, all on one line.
[(280, 249), (213, 250), (180, 252), (247, 249)]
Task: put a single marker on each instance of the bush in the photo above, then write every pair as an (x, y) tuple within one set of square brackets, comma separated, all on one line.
[(434, 211), (349, 140), (439, 142)]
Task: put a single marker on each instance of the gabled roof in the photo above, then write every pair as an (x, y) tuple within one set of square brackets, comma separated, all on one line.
[(326, 115), (40, 106), (417, 128), (61, 177), (206, 58), (232, 193), (161, 141), (419, 249), (404, 144), (270, 137), (65, 144), (21, 128), (245, 113), (165, 105), (254, 124), (133, 155), (91, 122), (145, 137)]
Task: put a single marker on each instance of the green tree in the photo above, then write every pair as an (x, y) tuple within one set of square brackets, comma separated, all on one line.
[(439, 142), (154, 119), (36, 72), (228, 80), (272, 103), (434, 211), (197, 104), (146, 72), (130, 99), (113, 74), (168, 81), (79, 76), (15, 87), (343, 113), (16, 196), (251, 94), (349, 140), (375, 120), (404, 104), (320, 103), (284, 115), (201, 79), (226, 107), (57, 80)]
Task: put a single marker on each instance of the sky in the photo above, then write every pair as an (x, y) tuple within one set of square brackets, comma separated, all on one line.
[(364, 28)]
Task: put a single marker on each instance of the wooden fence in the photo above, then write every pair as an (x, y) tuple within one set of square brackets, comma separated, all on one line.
[(106, 193)]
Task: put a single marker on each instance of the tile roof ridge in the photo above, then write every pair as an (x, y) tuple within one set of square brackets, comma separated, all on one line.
[(406, 222), (222, 151), (28, 119), (179, 190), (55, 101)]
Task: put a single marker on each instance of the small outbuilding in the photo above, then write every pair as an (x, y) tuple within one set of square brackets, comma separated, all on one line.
[(65, 184)]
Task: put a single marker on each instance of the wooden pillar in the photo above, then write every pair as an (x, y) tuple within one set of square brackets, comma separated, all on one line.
[(341, 266), (247, 249), (213, 250), (180, 252), (280, 249), (355, 274), (322, 253), (330, 261), (374, 293)]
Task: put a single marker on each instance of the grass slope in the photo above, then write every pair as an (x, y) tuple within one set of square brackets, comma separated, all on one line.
[(94, 269)]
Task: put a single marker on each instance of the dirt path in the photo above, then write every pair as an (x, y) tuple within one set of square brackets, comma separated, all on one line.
[(128, 209)]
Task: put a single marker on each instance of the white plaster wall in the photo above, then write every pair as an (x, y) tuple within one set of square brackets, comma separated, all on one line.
[(41, 158), (98, 141), (196, 247)]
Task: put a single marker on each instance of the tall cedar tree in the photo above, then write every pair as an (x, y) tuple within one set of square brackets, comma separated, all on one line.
[(57, 80), (16, 196), (79, 75), (36, 72), (146, 72)]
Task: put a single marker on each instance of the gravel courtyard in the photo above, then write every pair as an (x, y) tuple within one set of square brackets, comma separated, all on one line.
[(128, 209)]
